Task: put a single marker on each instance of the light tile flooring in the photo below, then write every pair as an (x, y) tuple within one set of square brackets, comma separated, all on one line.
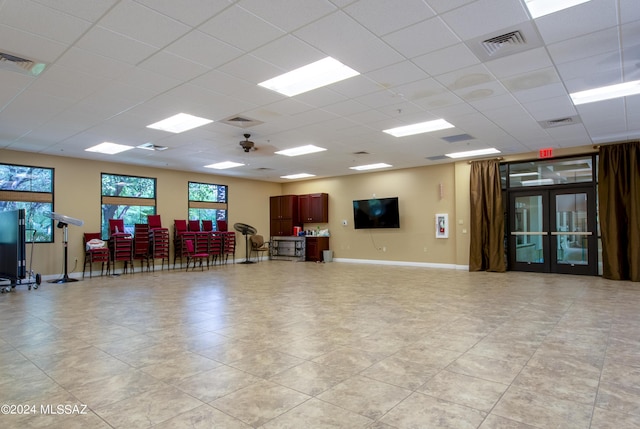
[(337, 345)]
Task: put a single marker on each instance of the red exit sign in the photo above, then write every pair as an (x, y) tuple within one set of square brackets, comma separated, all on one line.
[(546, 153)]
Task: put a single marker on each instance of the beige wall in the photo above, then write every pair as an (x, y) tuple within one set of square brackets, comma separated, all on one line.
[(418, 191), (77, 194)]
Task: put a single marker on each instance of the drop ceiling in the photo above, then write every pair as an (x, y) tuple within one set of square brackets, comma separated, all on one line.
[(116, 66)]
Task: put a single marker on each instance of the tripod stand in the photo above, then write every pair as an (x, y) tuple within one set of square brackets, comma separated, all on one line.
[(65, 278)]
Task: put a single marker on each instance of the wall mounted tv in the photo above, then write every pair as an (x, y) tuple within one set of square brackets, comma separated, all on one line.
[(376, 213)]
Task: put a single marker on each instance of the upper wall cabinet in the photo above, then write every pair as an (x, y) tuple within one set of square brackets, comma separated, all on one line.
[(314, 208), (284, 214)]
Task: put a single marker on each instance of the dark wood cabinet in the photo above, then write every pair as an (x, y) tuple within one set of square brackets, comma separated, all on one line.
[(284, 214), (314, 208), (315, 246)]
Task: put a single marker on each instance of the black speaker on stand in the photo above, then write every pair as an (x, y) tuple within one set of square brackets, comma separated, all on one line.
[(63, 222)]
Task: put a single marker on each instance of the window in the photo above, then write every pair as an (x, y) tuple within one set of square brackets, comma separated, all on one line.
[(207, 201), (552, 172), (29, 188), (130, 198)]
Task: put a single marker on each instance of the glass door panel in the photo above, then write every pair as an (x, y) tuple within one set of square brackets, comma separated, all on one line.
[(529, 231), (573, 232)]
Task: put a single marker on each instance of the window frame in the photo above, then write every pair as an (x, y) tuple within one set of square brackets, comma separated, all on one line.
[(28, 198), (116, 200), (208, 205)]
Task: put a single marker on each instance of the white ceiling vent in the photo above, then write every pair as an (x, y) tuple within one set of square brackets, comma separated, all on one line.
[(151, 146), (560, 122), (20, 65), (241, 121), (494, 44), (505, 42)]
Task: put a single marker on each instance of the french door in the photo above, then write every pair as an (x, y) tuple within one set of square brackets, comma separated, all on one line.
[(553, 230)]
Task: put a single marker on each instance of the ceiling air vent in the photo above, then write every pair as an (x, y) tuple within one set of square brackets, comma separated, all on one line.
[(241, 121), (436, 158), (20, 65), (458, 138), (560, 122), (507, 41), (362, 152), (151, 146), (494, 44)]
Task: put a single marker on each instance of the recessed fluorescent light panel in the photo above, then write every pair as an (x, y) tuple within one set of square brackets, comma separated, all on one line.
[(422, 127), (471, 153), (109, 148), (180, 123), (312, 76), (606, 92), (301, 150), (370, 166), (538, 8), (224, 165), (298, 176)]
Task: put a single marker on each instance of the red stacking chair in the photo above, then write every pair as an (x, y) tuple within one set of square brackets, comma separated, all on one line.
[(141, 244), (194, 225), (159, 241), (94, 254), (222, 226), (191, 251), (179, 229), (120, 244)]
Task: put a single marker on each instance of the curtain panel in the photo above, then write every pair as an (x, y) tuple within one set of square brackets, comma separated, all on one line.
[(619, 207), (486, 252)]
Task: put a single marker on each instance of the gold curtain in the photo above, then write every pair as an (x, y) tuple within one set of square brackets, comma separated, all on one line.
[(486, 251), (619, 198)]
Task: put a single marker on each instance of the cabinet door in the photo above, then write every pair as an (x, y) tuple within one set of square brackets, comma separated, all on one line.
[(281, 227), (319, 207), (314, 208)]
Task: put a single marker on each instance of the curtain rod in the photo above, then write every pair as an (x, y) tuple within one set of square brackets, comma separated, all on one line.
[(485, 159)]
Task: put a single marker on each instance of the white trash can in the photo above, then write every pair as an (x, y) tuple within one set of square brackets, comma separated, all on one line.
[(327, 255)]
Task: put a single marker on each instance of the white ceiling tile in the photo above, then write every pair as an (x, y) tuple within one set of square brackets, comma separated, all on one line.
[(374, 14), (190, 46), (483, 91), (29, 45), (141, 23), (173, 66), (86, 62), (241, 29), (484, 16), (191, 12), (493, 102), (553, 108), (347, 41), (346, 108), (223, 83), (578, 20), (421, 38), (577, 48), (592, 72), (446, 60), (288, 15), (528, 61), (531, 80), (442, 6), (105, 42), (89, 10), (68, 83), (629, 11), (397, 74), (356, 86), (536, 92), (43, 21), (288, 53), (466, 77), (250, 69), (631, 50)]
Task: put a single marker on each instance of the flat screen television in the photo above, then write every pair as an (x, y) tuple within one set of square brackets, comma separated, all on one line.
[(376, 213)]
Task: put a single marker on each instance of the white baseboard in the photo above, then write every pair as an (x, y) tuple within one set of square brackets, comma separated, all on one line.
[(402, 263)]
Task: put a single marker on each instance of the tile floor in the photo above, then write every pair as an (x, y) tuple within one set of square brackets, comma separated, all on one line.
[(302, 345)]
